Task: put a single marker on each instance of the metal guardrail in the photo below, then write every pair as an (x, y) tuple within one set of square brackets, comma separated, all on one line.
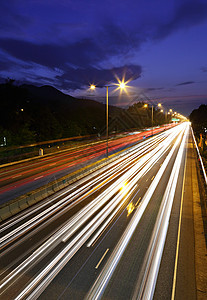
[(200, 158)]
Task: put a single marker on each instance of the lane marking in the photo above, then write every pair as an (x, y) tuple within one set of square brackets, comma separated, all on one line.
[(152, 177), (138, 201), (178, 237), (98, 264), (38, 177)]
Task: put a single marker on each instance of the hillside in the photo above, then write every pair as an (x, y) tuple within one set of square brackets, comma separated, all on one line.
[(34, 114)]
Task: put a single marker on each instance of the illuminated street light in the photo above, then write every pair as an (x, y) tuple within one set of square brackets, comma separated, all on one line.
[(121, 85), (92, 87)]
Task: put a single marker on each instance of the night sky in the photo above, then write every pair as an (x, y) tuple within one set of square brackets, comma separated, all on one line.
[(160, 45)]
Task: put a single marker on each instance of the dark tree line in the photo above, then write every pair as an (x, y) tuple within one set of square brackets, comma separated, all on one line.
[(32, 114), (198, 118)]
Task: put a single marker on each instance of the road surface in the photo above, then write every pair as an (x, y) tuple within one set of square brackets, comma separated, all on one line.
[(106, 236)]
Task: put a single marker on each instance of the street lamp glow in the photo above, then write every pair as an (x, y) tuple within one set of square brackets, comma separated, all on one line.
[(92, 87), (159, 104), (122, 85), (145, 105)]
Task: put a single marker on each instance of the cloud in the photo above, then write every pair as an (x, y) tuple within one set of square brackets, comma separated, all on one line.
[(188, 14), (80, 57), (185, 83), (204, 69), (78, 78)]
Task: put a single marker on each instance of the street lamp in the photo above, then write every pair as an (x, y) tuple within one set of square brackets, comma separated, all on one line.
[(146, 105), (121, 85)]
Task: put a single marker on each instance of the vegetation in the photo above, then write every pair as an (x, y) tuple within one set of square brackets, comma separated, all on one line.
[(31, 114), (198, 118)]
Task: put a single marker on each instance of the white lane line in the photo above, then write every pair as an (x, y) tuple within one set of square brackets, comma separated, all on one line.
[(178, 237), (38, 177), (100, 261)]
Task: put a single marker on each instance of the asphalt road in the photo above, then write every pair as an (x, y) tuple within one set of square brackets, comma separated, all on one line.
[(20, 178), (111, 235)]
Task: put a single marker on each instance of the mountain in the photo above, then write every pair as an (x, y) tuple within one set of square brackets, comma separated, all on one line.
[(35, 114)]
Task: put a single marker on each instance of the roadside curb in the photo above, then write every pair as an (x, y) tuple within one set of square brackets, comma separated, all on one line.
[(16, 205), (200, 245)]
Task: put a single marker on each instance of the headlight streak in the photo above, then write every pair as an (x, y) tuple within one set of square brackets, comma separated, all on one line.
[(129, 156), (146, 144), (67, 253), (148, 160), (57, 206), (53, 241), (43, 248), (100, 284), (105, 224), (95, 205), (156, 246)]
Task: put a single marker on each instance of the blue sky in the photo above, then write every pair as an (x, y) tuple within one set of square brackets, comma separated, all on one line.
[(159, 45)]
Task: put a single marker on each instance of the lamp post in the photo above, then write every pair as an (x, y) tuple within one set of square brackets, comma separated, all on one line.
[(121, 85)]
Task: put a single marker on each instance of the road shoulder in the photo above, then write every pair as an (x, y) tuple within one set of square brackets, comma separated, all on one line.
[(200, 245)]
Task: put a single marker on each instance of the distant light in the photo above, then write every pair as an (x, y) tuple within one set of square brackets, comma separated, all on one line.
[(92, 87), (170, 110), (161, 110), (122, 85), (145, 105), (22, 109), (159, 104)]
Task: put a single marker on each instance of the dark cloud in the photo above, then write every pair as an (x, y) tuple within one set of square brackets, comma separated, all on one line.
[(185, 15), (82, 53), (77, 78), (185, 83), (204, 69), (79, 62), (153, 89)]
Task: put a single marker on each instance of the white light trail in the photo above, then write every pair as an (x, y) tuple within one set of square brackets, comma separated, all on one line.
[(100, 284)]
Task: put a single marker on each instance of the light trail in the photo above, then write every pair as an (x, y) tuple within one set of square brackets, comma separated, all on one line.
[(100, 284), (130, 167), (156, 246), (77, 193)]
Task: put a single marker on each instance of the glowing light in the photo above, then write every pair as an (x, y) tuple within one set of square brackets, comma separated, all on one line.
[(161, 110), (92, 87), (123, 188), (122, 85), (130, 208), (145, 105), (159, 104)]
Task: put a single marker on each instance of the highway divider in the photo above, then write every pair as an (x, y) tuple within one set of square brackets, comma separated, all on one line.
[(17, 205)]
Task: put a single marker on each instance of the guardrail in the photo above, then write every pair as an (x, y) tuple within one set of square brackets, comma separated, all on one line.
[(200, 158)]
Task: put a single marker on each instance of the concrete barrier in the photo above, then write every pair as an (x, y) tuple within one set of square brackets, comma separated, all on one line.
[(23, 202), (5, 213)]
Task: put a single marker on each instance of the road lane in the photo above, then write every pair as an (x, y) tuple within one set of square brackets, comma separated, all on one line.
[(139, 176), (21, 178)]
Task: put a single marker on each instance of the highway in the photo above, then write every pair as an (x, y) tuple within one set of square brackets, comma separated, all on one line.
[(104, 236), (20, 178)]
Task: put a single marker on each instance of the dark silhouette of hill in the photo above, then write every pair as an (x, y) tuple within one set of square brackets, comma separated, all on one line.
[(34, 114)]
